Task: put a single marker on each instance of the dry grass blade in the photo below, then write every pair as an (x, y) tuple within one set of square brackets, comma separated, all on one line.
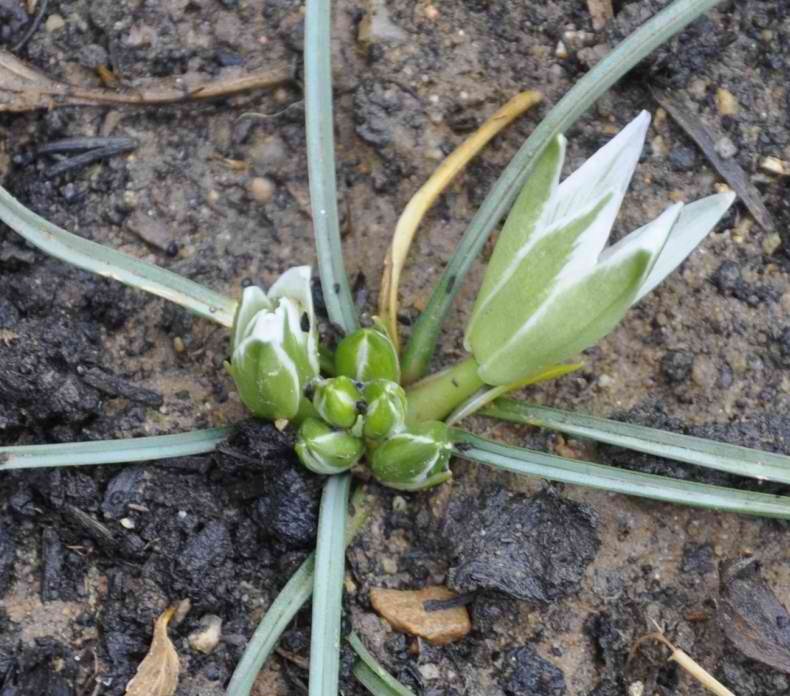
[(420, 203), (687, 663), (157, 674), (23, 88)]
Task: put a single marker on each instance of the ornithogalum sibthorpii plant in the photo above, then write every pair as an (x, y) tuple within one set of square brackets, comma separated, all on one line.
[(552, 288)]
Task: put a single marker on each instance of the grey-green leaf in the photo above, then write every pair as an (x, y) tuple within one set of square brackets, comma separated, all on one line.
[(136, 449), (733, 459), (530, 463), (109, 263)]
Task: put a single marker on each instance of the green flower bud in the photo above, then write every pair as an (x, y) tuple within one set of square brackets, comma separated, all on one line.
[(275, 346), (386, 409), (336, 401), (414, 459), (327, 451), (367, 354)]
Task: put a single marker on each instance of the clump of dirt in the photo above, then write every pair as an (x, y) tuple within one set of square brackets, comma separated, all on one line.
[(535, 549)]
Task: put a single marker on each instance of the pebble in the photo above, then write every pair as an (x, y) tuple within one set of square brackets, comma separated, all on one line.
[(771, 243), (404, 610), (261, 189), (726, 102), (389, 566), (54, 23), (726, 148), (773, 165), (206, 638)]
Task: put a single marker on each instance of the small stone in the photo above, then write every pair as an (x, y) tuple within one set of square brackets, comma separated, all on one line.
[(683, 158), (206, 638), (773, 165), (561, 51), (772, 243), (676, 365), (399, 504), (726, 102), (261, 189), (404, 610), (54, 23), (127, 523), (430, 672), (389, 566), (637, 688), (726, 148), (704, 373)]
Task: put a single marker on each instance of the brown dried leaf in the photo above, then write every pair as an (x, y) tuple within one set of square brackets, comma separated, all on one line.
[(23, 88), (157, 674), (752, 617)]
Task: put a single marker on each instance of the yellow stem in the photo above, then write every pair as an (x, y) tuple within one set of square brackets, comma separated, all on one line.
[(419, 204)]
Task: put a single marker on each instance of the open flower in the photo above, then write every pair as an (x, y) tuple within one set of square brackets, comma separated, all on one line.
[(275, 346), (552, 289)]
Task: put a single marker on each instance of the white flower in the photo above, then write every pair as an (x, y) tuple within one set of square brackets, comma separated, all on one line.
[(275, 345), (552, 289)]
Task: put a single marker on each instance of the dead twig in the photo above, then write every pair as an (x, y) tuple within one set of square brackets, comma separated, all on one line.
[(23, 88), (729, 169)]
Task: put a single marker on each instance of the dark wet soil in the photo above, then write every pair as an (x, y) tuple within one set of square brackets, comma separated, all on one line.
[(564, 581)]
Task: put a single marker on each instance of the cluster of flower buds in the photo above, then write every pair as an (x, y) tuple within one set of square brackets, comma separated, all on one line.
[(363, 410)]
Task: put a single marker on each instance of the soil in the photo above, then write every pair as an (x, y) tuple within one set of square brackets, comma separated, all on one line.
[(564, 580)]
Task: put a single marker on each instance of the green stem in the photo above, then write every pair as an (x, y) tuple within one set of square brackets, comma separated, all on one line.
[(582, 95), (437, 396)]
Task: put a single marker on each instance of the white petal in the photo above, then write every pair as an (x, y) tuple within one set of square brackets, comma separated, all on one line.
[(693, 225), (665, 221), (611, 167), (253, 300), (294, 283)]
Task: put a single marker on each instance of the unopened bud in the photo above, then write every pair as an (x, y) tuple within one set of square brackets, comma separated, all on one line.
[(337, 401), (367, 354), (326, 451), (275, 346), (414, 459), (386, 409)]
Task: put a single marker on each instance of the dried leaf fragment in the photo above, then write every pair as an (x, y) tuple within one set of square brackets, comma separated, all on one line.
[(157, 674), (405, 611), (752, 617), (23, 88)]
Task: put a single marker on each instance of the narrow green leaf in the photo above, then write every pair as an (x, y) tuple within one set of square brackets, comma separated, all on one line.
[(530, 463), (285, 606), (733, 459), (135, 449), (109, 263), (372, 675), (330, 562), (583, 94), (321, 165)]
